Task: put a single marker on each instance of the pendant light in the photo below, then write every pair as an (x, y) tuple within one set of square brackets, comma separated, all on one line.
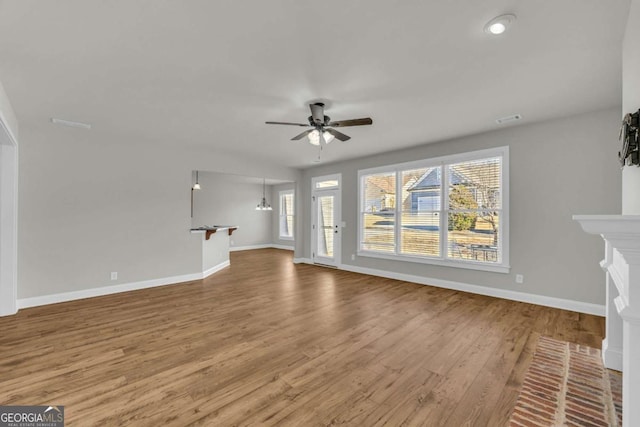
[(263, 205), (196, 186)]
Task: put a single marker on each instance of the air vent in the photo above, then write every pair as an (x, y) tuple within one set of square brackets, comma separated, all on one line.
[(71, 124), (509, 119)]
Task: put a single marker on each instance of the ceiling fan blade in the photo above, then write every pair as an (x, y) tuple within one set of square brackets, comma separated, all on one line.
[(288, 123), (317, 112), (338, 135), (352, 122), (302, 135)]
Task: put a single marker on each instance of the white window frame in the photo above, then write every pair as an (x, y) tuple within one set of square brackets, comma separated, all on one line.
[(281, 195), (502, 267), (333, 177)]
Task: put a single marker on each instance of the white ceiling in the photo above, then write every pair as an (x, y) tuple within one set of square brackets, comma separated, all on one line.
[(210, 73)]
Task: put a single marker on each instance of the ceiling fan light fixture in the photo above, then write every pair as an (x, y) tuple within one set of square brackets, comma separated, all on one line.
[(323, 130), (314, 137), (327, 137), (499, 24)]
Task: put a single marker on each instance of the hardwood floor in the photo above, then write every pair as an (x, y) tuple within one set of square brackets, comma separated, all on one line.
[(267, 342)]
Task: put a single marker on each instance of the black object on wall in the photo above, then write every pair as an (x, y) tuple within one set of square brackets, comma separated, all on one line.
[(630, 152)]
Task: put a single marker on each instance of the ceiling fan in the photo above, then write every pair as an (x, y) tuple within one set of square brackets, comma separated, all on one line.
[(323, 126)]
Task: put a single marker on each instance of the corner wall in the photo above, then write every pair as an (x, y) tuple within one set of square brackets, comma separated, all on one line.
[(557, 169), (92, 203)]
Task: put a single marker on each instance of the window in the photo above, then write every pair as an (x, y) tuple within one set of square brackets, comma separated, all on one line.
[(286, 214), (450, 211), (327, 184)]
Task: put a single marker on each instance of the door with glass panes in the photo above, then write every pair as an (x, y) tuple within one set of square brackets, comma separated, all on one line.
[(326, 221)]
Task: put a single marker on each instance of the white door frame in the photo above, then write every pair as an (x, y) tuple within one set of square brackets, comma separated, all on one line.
[(337, 218), (8, 220)]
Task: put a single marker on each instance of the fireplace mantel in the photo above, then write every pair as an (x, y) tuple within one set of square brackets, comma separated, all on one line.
[(621, 347)]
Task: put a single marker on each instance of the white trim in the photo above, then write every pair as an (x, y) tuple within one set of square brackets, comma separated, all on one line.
[(105, 290), (283, 247), (215, 269), (249, 247), (280, 214), (116, 289), (612, 356), (8, 221), (436, 161), (335, 176), (336, 191), (470, 264), (502, 267), (261, 246), (564, 304)]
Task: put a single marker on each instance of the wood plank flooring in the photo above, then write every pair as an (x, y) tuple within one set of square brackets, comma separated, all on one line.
[(267, 342)]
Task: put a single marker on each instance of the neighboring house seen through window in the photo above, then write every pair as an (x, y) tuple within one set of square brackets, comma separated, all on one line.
[(286, 214), (449, 211)]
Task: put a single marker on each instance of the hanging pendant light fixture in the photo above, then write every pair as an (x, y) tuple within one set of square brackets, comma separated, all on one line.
[(196, 186), (263, 205)]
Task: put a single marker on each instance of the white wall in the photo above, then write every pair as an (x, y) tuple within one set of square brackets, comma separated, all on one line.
[(557, 169), (631, 103), (229, 200), (91, 204)]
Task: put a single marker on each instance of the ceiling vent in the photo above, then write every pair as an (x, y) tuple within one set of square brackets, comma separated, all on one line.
[(509, 119), (70, 124)]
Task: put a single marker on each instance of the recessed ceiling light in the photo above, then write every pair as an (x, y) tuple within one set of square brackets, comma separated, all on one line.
[(499, 24), (508, 119), (70, 123)]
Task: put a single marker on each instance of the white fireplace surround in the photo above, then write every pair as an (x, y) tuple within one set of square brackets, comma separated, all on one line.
[(621, 346)]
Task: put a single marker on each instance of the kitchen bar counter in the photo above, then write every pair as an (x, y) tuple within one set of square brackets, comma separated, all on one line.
[(215, 247)]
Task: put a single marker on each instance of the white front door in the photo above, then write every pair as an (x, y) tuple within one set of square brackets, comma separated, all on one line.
[(326, 226)]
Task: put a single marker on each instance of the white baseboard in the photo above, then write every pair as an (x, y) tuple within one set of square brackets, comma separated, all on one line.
[(565, 304), (611, 356), (115, 289), (283, 247), (215, 269), (264, 246)]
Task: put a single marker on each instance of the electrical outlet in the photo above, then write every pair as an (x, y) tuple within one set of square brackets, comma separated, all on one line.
[(353, 257), (231, 242), (519, 278), (114, 275)]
